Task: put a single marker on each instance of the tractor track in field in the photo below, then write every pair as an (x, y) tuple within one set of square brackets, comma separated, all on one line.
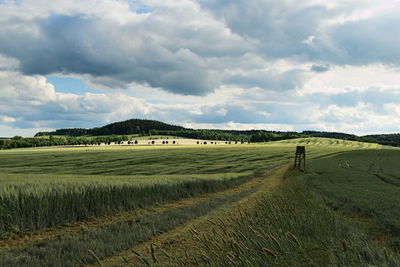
[(375, 165), (177, 240), (375, 169), (387, 179), (30, 238)]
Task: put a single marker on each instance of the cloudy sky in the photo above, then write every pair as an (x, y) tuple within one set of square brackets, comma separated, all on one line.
[(243, 64)]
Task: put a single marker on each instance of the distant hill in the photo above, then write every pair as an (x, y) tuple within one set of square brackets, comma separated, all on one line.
[(133, 126), (383, 139), (334, 135), (153, 127)]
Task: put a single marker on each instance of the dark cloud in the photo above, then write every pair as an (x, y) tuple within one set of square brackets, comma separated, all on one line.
[(280, 27), (258, 51), (81, 45), (29, 102), (178, 49), (300, 31), (367, 41), (320, 68)]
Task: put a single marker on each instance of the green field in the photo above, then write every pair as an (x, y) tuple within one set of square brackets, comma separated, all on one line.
[(157, 160), (65, 206), (289, 227), (362, 184), (350, 217)]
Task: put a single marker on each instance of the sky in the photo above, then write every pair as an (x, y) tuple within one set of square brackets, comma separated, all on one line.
[(245, 64)]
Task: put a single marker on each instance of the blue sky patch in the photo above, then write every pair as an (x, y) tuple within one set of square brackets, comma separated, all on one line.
[(143, 10), (70, 85)]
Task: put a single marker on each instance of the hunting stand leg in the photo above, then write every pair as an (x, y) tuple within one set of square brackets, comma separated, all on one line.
[(300, 159)]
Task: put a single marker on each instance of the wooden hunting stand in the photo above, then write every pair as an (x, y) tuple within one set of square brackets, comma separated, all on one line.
[(300, 160)]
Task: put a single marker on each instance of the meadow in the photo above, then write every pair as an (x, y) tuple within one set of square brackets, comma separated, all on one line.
[(65, 206)]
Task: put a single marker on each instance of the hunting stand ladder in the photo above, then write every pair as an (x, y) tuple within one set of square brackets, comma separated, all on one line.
[(300, 160)]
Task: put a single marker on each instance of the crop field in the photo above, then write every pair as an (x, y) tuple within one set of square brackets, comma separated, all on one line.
[(91, 205), (363, 184)]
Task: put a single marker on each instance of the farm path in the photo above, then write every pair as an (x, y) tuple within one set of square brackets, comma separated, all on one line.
[(175, 242), (30, 238)]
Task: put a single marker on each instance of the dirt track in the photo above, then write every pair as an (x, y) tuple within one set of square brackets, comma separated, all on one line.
[(177, 240)]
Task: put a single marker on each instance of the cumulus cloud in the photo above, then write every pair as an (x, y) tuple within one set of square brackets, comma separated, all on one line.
[(179, 45), (339, 32), (33, 102), (94, 51), (162, 49), (278, 28), (318, 64), (340, 79)]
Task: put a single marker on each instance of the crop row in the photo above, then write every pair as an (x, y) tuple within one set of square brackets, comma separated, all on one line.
[(289, 227), (23, 210)]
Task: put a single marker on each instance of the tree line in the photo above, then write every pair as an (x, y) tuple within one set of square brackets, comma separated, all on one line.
[(20, 142), (252, 136), (120, 131)]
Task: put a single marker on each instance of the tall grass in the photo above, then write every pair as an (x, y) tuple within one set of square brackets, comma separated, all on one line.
[(23, 209), (287, 228), (92, 245)]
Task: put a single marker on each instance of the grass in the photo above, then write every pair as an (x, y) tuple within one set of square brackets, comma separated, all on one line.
[(139, 161), (75, 184), (68, 202), (330, 143), (290, 227), (163, 160), (50, 187), (362, 184), (106, 240)]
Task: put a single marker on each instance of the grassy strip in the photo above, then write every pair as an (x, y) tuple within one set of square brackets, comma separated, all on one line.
[(105, 241), (289, 227), (22, 212)]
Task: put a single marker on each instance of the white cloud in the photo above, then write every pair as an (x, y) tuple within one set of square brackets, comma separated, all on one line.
[(33, 103), (353, 78), (263, 113), (332, 65), (166, 48), (8, 63), (9, 131), (6, 119)]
